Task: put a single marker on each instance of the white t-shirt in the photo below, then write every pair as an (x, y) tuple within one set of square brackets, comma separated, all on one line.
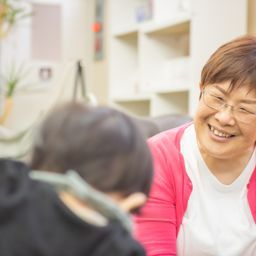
[(218, 220)]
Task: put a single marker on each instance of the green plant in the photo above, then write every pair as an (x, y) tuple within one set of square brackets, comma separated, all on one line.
[(11, 11), (12, 79)]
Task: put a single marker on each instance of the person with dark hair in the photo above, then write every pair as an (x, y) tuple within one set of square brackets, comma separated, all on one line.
[(203, 199), (103, 168)]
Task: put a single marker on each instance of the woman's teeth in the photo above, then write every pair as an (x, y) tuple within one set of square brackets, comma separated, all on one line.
[(220, 134)]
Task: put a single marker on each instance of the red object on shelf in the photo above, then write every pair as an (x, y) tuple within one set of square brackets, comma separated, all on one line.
[(96, 27)]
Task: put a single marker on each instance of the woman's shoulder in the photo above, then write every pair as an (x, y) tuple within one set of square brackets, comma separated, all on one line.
[(169, 167)]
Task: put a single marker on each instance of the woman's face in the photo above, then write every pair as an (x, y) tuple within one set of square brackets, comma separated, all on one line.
[(219, 134)]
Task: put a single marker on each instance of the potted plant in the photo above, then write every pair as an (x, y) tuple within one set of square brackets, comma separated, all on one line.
[(11, 11), (9, 83)]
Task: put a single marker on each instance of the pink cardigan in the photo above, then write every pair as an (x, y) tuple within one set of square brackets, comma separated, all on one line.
[(158, 224)]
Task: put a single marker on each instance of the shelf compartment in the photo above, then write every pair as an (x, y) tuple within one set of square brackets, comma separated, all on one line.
[(158, 56), (133, 107), (179, 25), (170, 103), (126, 16), (173, 86)]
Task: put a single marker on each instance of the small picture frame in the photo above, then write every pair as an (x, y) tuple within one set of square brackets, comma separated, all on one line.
[(45, 74)]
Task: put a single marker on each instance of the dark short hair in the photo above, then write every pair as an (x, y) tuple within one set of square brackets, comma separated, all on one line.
[(234, 61), (103, 145)]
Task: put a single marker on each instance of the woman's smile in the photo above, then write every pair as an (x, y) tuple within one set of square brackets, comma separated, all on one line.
[(220, 135)]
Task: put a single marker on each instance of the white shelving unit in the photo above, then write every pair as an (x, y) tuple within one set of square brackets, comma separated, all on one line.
[(155, 63), (142, 80)]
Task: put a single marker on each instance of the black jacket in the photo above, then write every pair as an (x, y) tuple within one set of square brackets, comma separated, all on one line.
[(35, 222)]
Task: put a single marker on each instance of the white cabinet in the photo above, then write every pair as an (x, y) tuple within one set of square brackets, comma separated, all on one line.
[(153, 59)]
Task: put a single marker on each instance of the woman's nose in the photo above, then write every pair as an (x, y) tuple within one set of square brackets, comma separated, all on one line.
[(226, 115)]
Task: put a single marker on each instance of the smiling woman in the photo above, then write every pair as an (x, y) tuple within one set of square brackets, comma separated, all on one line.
[(222, 129), (204, 191)]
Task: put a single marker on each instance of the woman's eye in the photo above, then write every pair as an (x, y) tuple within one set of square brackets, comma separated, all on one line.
[(219, 98), (245, 110)]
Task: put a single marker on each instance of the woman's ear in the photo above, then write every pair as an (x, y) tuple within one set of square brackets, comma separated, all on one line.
[(132, 201)]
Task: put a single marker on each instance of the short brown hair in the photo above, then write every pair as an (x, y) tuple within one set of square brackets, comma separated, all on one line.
[(103, 145), (234, 61)]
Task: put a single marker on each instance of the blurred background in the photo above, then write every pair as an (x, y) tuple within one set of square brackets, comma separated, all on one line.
[(142, 56)]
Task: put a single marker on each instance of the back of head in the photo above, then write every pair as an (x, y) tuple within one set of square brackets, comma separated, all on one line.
[(102, 144), (234, 61)]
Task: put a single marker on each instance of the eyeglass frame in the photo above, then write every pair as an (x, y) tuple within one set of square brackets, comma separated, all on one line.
[(234, 109)]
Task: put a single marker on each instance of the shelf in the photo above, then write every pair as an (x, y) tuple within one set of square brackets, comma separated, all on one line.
[(178, 25), (173, 86), (131, 98), (170, 102), (126, 33), (135, 104), (171, 90)]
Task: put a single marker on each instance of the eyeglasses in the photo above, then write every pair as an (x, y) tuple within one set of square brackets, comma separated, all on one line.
[(216, 100)]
